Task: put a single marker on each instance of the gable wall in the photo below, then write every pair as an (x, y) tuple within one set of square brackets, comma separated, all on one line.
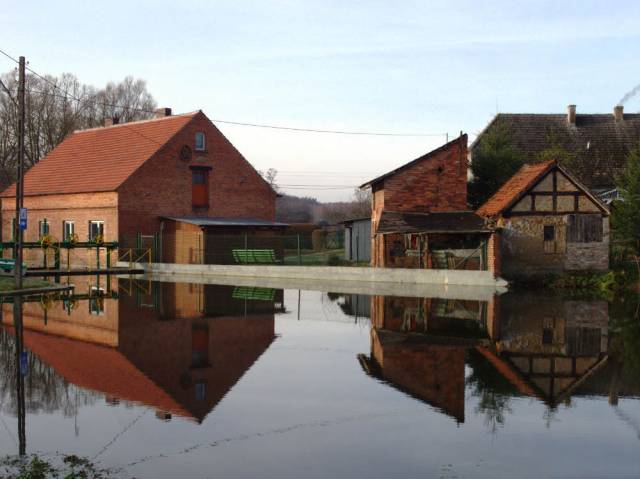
[(439, 183), (162, 186)]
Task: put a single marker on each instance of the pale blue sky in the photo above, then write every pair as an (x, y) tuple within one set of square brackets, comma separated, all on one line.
[(412, 66)]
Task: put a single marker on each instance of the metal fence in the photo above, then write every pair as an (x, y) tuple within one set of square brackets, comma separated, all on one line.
[(274, 249)]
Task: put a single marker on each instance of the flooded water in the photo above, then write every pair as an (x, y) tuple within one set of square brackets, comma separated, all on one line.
[(165, 380)]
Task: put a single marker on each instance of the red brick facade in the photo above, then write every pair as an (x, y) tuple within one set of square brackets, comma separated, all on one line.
[(160, 186), (435, 182)]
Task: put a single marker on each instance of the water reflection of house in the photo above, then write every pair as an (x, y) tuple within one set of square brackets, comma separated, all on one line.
[(418, 346), (182, 364), (548, 346)]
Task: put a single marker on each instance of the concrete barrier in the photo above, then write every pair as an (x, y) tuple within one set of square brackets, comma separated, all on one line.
[(331, 273)]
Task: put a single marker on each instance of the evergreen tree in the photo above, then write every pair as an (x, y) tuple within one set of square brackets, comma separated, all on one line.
[(495, 161), (625, 219)]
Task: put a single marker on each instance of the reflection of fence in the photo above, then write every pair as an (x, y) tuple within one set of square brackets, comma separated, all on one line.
[(252, 248)]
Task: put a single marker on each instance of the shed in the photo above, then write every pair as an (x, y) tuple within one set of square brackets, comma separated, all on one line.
[(206, 240), (357, 239)]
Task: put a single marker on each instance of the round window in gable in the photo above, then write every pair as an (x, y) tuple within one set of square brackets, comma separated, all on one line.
[(185, 153)]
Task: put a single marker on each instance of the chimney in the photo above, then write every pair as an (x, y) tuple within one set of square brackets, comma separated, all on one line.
[(571, 115), (162, 112), (618, 112), (110, 121)]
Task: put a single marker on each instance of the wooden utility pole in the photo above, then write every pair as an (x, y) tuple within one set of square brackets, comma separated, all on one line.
[(20, 177), (21, 363)]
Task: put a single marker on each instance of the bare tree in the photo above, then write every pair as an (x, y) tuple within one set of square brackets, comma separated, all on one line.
[(270, 177), (55, 107)]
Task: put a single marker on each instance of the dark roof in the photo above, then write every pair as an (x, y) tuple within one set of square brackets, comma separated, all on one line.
[(600, 142), (446, 222), (100, 159), (426, 156), (354, 220), (520, 183), (242, 222)]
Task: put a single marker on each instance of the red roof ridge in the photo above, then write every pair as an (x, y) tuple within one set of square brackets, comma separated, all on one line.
[(137, 122), (520, 182)]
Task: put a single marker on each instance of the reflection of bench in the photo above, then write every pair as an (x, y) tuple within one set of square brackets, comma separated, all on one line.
[(253, 293), (7, 265), (253, 256)]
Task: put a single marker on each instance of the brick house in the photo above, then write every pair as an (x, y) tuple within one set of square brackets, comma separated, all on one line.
[(123, 181), (549, 223), (600, 142), (420, 217)]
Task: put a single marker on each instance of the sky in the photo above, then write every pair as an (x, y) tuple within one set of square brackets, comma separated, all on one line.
[(429, 68)]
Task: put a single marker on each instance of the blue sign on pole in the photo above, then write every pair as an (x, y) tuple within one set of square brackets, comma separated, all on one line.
[(24, 363), (23, 219)]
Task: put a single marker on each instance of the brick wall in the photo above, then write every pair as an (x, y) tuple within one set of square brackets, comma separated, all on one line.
[(162, 186), (79, 208), (439, 183), (494, 254)]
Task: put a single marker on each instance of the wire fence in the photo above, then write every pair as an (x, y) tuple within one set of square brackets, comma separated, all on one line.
[(326, 248)]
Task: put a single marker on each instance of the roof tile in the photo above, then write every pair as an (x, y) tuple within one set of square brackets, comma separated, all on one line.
[(99, 159)]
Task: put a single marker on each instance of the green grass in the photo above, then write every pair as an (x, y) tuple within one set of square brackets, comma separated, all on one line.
[(8, 283)]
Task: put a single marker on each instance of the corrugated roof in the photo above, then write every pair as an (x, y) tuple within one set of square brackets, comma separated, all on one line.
[(442, 222), (417, 160), (600, 143), (99, 159), (206, 221), (525, 178)]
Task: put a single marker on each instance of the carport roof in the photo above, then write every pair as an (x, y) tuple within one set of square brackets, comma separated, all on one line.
[(235, 222)]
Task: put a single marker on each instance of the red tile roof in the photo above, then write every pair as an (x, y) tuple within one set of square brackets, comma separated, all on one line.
[(101, 369), (514, 188), (99, 159)]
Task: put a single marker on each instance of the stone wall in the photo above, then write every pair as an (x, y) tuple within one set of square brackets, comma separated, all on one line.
[(525, 253)]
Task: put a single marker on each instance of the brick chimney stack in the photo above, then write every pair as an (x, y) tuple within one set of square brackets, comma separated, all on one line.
[(110, 121), (162, 112), (618, 112), (571, 115)]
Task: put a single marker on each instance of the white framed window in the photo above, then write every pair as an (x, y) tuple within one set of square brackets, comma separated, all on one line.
[(68, 229), (96, 301), (43, 228), (200, 141), (96, 228)]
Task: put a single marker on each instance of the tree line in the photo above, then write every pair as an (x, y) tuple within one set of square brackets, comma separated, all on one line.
[(55, 106)]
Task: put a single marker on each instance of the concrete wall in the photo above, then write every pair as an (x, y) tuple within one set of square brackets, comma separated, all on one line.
[(332, 273)]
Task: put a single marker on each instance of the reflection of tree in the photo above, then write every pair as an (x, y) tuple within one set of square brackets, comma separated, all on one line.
[(492, 389), (45, 389), (625, 344)]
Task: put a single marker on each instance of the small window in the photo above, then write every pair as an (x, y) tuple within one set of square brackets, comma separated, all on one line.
[(200, 391), (549, 232), (68, 230), (43, 228), (200, 143), (96, 230), (96, 301)]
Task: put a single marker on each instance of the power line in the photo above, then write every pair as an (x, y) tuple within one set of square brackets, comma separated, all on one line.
[(240, 123)]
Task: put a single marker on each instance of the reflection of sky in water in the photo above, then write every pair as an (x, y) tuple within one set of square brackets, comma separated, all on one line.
[(306, 409)]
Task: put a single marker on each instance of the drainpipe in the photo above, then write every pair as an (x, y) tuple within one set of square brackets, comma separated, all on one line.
[(160, 242)]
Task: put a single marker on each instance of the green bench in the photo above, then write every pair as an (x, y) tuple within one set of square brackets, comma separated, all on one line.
[(8, 264), (254, 256), (253, 293)]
